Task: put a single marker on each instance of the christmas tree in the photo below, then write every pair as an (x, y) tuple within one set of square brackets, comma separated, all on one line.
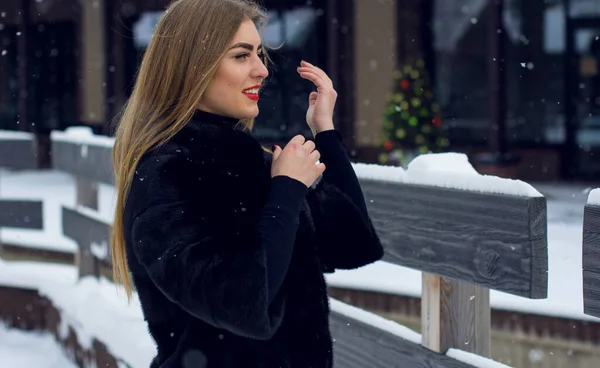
[(411, 122)]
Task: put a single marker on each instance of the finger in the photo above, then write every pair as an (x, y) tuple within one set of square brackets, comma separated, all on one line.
[(309, 145), (276, 152), (312, 98), (323, 86), (315, 155), (317, 80), (320, 167), (298, 139), (319, 71)]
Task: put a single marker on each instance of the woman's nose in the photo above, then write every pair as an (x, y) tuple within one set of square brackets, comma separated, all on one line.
[(260, 70)]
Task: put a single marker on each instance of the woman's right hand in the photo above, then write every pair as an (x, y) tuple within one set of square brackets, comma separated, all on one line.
[(298, 160)]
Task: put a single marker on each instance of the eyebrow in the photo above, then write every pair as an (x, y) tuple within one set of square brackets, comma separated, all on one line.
[(245, 45)]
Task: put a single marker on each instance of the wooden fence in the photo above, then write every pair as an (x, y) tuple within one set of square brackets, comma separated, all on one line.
[(591, 259), (465, 242)]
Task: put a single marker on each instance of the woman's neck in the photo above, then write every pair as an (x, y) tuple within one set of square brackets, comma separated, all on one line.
[(204, 116)]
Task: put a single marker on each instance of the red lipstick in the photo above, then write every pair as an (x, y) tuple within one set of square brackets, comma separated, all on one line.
[(252, 92)]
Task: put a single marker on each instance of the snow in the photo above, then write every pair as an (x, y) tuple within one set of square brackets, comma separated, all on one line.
[(92, 307), (474, 359), (82, 135), (379, 172), (594, 197), (374, 320), (31, 349), (446, 170), (56, 189), (100, 251), (406, 333), (15, 135)]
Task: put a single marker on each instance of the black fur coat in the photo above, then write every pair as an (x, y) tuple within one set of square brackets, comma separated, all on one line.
[(199, 269)]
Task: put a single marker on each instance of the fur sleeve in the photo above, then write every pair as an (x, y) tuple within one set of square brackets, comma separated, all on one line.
[(346, 239), (195, 250)]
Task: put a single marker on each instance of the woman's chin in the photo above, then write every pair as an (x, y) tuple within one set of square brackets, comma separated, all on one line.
[(251, 113)]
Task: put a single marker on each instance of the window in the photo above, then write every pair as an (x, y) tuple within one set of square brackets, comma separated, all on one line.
[(285, 98)]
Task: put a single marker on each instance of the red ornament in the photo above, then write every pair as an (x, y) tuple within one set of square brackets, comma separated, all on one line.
[(388, 145), (404, 84), (437, 121)]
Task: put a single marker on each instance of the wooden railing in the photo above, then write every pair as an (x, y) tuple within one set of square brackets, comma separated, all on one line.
[(465, 242), (591, 258)]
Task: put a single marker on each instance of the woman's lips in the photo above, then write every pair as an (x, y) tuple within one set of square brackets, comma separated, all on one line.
[(252, 96), (251, 93)]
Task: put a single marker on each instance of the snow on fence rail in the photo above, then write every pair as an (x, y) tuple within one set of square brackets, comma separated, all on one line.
[(467, 233)]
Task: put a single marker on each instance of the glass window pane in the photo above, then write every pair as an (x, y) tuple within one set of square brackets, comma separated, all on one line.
[(462, 68)]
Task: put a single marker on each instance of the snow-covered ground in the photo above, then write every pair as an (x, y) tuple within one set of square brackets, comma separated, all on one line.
[(19, 349)]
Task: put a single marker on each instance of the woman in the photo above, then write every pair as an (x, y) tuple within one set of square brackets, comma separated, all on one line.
[(227, 250)]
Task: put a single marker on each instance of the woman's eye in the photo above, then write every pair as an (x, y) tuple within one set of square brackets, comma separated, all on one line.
[(242, 56)]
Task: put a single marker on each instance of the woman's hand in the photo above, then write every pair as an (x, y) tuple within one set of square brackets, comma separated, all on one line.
[(321, 104), (298, 160)]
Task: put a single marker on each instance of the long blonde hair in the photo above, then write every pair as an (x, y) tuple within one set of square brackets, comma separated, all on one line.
[(189, 41)]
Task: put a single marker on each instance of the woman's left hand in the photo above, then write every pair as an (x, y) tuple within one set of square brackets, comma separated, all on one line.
[(321, 104)]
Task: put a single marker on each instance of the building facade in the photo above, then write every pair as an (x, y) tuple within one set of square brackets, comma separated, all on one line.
[(515, 77)]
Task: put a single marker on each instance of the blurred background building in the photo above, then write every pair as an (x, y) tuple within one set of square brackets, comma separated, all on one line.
[(515, 80)]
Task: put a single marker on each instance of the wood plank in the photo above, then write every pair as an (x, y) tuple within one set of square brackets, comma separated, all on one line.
[(496, 241), (455, 314), (591, 260), (359, 345), (18, 154), (21, 214), (86, 193), (591, 238), (11, 252), (86, 231), (431, 312), (85, 161), (591, 293)]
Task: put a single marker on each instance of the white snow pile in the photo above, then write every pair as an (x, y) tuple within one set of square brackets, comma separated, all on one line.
[(82, 135), (594, 197), (12, 135), (31, 349), (446, 170), (93, 308), (406, 333)]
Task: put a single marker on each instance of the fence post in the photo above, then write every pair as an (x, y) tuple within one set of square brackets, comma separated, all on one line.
[(86, 192), (455, 314)]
